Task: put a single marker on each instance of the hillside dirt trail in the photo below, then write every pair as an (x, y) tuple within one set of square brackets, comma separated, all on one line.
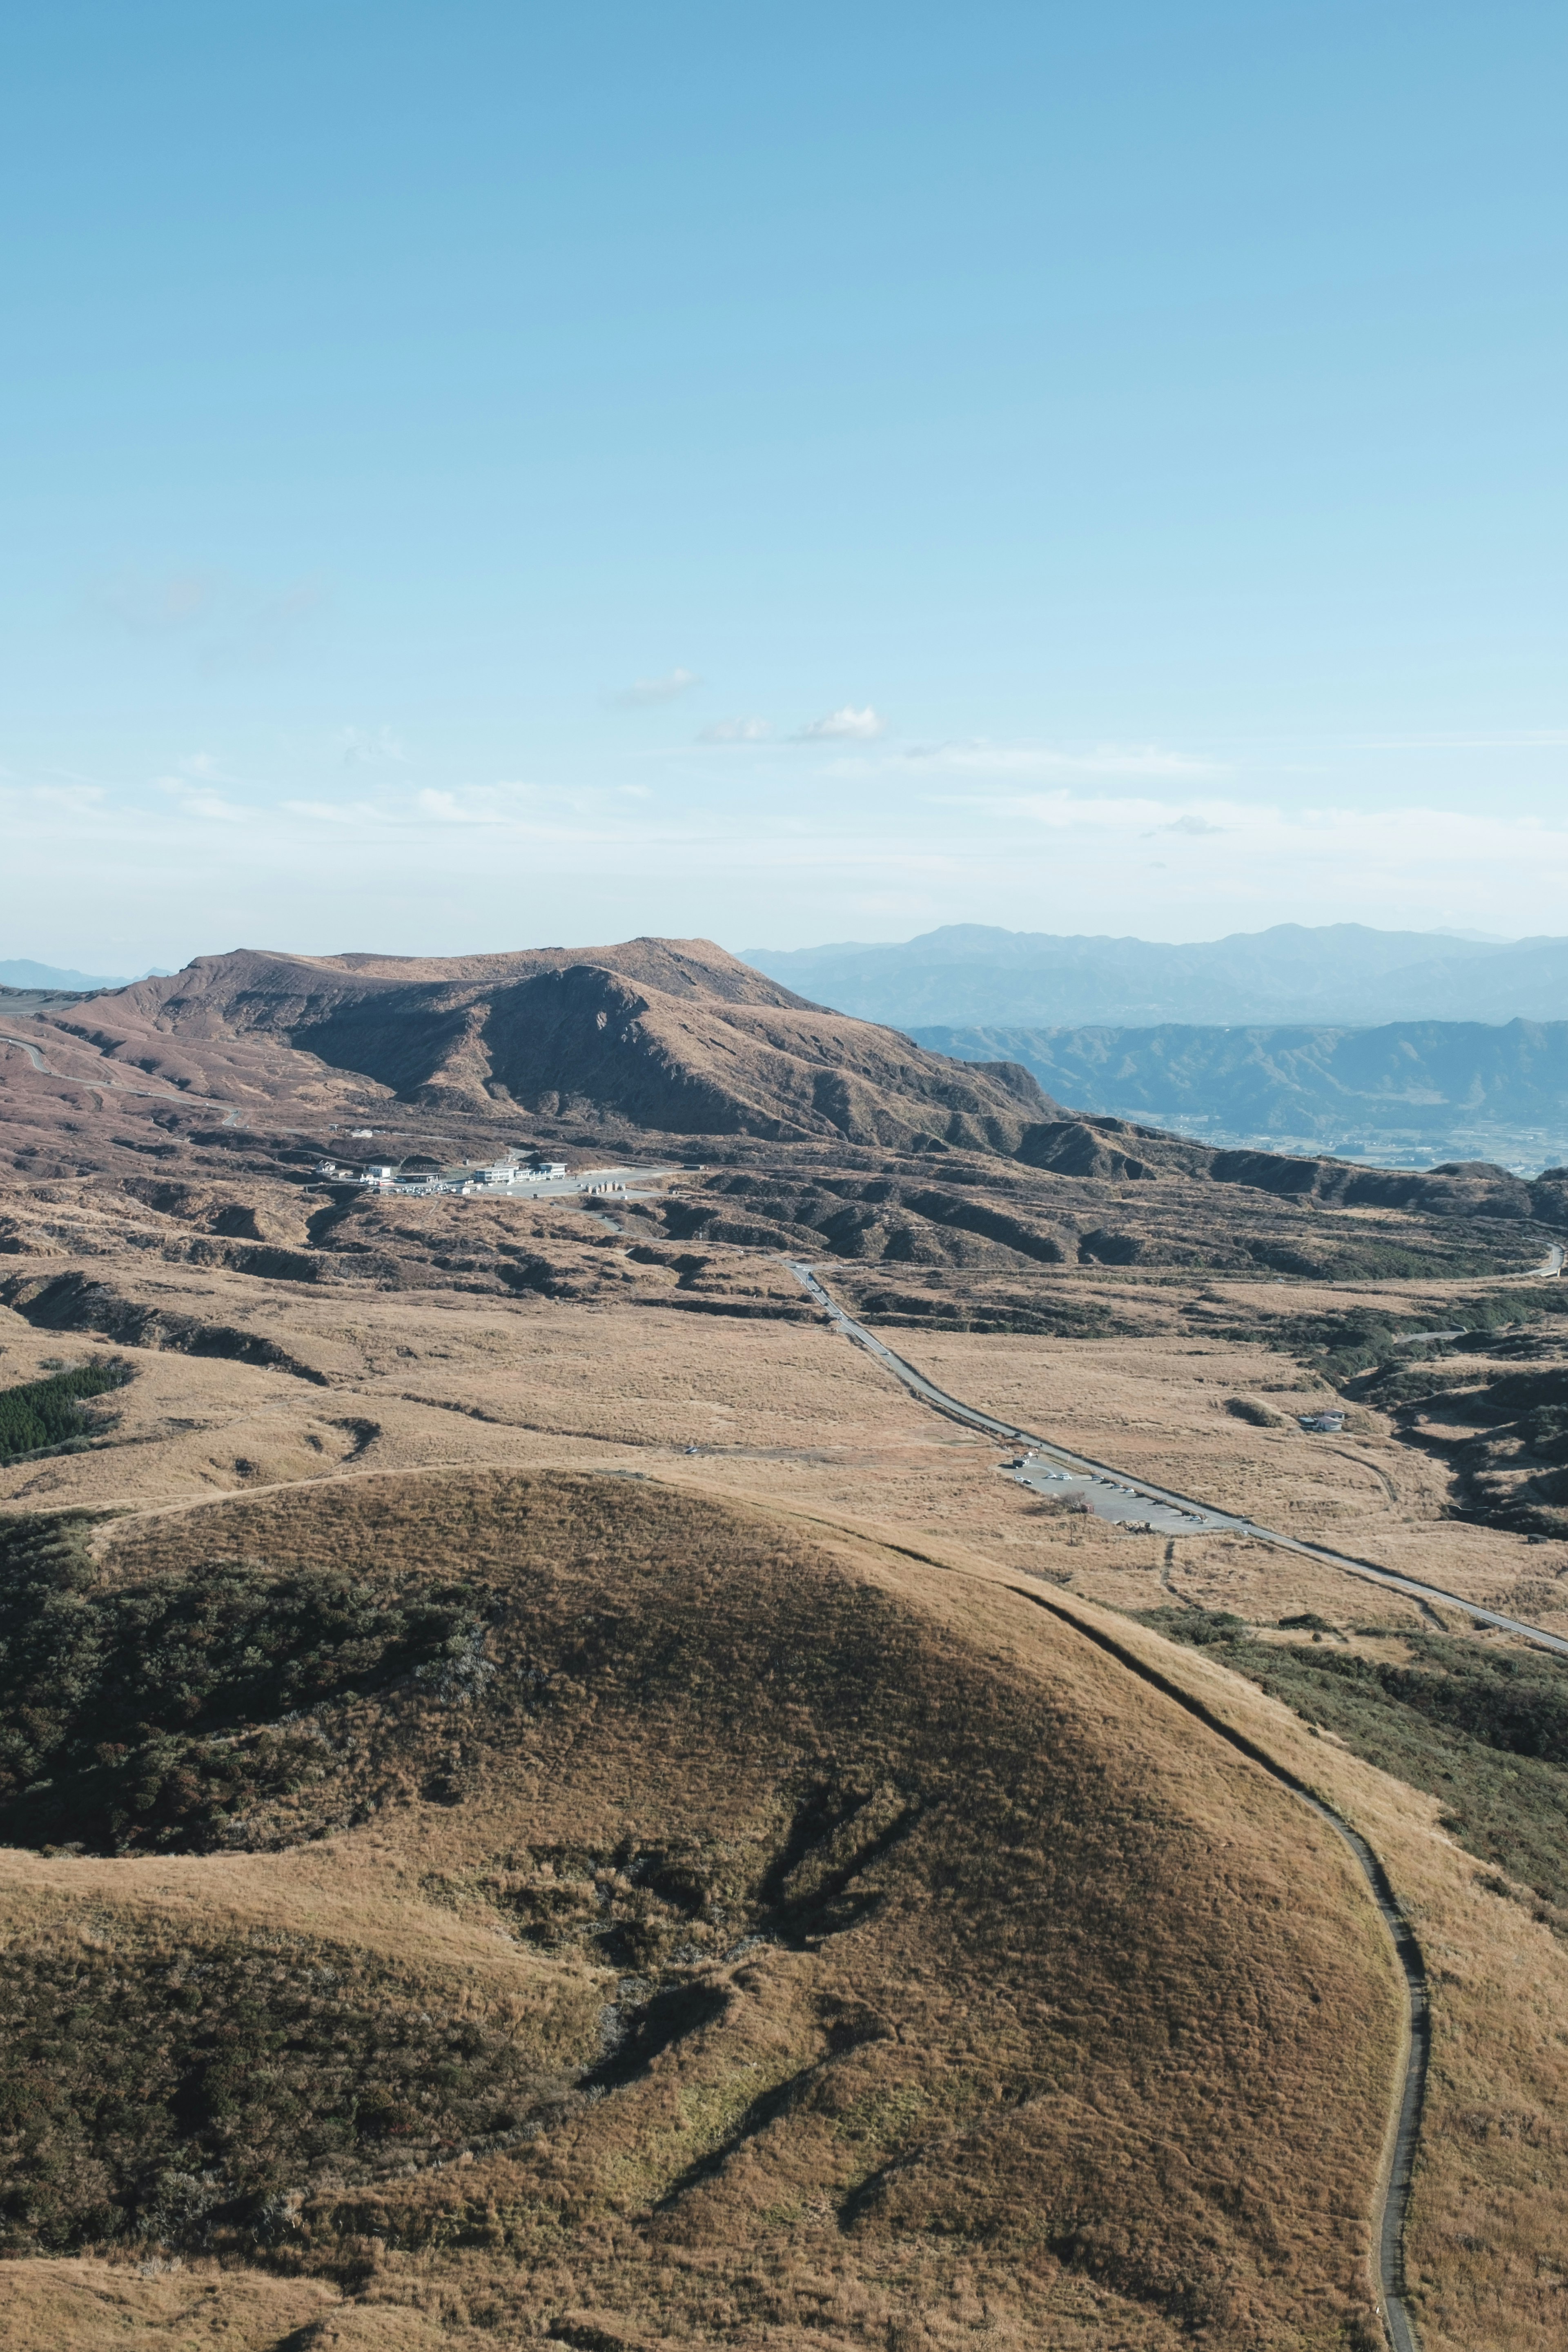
[(1408, 2092), (1404, 2132)]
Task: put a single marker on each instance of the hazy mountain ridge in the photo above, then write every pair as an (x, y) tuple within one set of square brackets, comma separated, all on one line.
[(1294, 1080), (22, 974), (1346, 974)]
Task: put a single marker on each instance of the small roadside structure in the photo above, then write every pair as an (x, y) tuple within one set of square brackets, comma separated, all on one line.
[(1330, 1423)]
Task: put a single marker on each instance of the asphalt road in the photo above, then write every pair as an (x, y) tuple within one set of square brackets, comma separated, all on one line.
[(1117, 1498), (1112, 1495), (119, 1085)]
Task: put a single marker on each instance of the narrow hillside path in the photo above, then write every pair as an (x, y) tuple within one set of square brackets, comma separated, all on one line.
[(1391, 2208), (1403, 2130), (1116, 1492)]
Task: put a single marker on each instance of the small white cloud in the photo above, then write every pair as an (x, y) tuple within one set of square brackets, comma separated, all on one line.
[(196, 801), (644, 692), (736, 731), (845, 726), (471, 807), (1192, 825)]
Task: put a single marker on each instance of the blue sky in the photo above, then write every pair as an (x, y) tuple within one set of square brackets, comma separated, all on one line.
[(486, 474)]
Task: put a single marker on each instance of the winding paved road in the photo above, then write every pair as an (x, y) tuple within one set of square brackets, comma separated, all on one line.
[(1113, 1493), (1393, 2205), (119, 1085)]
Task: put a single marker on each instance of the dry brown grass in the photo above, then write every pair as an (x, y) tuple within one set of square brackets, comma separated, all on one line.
[(437, 1395), (1157, 1406), (418, 1378), (1075, 2022), (95, 2306), (1486, 2248)]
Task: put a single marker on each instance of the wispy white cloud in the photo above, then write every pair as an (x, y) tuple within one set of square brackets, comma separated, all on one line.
[(983, 758), (524, 811), (331, 812), (462, 808), (198, 799), (1546, 739), (736, 731), (59, 799), (1133, 838), (645, 692), (845, 726)]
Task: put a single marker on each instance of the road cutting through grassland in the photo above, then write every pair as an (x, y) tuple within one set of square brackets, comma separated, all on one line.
[(1114, 1494), (1131, 1502)]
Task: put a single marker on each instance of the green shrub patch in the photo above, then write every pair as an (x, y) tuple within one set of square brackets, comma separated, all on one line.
[(173, 2096), (43, 1413), (143, 1716), (1484, 1730)]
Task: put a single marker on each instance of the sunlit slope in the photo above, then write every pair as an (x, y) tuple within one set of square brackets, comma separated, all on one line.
[(669, 1035), (729, 1930)]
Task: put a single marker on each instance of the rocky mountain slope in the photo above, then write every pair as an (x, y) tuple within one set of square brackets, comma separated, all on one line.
[(669, 1035), (816, 1133)]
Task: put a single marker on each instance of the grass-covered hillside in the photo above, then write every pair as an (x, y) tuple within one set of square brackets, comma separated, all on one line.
[(625, 1903)]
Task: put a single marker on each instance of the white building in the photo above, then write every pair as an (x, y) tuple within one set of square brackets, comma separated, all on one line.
[(508, 1175)]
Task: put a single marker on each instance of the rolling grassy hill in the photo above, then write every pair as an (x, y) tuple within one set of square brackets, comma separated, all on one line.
[(730, 1934)]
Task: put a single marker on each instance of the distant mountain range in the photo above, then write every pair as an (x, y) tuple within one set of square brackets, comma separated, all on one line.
[(1343, 975), (20, 973), (1430, 1081)]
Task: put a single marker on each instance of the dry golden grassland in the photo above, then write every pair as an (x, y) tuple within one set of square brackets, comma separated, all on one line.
[(1103, 2059), (1160, 1406), (94, 2307), (1156, 2007), (952, 1993), (402, 1379)]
